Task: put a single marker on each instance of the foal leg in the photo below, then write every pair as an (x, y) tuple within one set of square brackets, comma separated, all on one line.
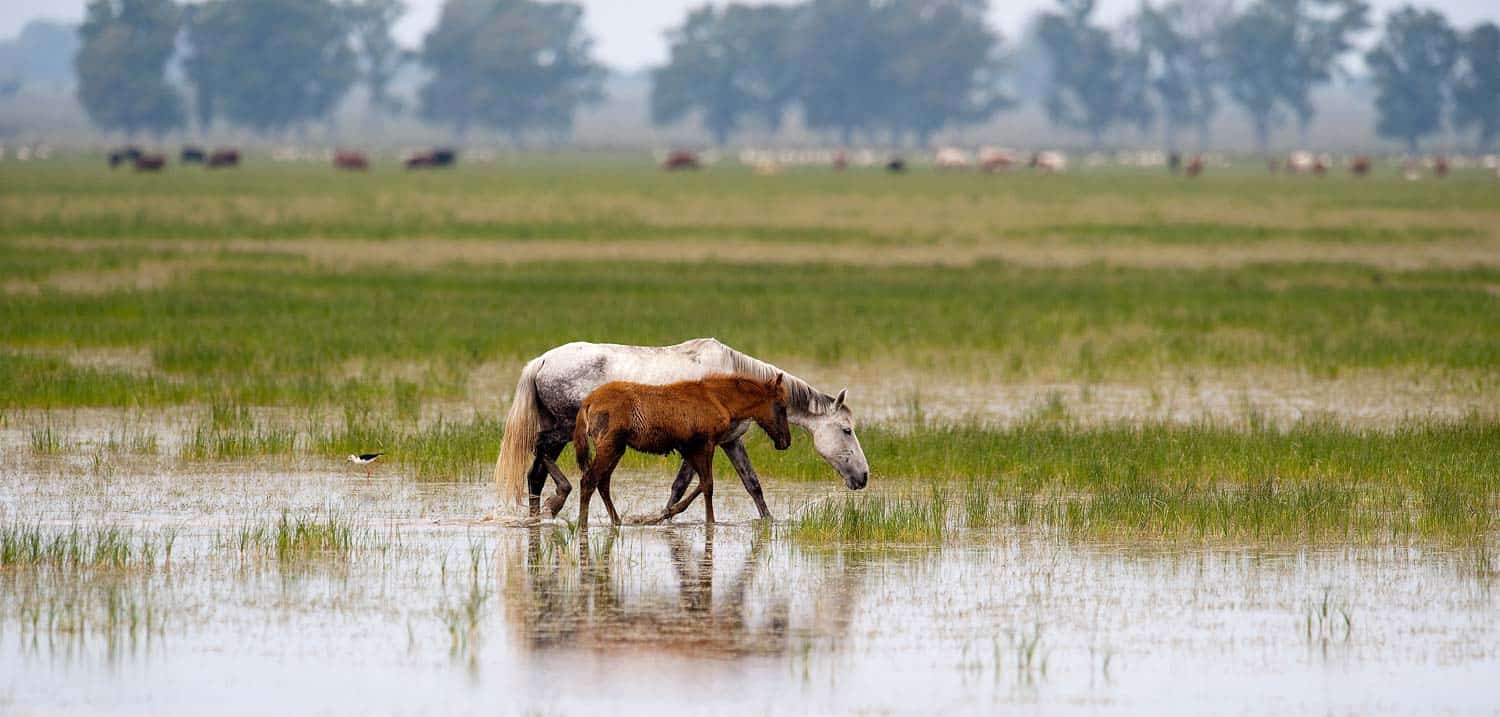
[(607, 453), (736, 451), (609, 503), (703, 463)]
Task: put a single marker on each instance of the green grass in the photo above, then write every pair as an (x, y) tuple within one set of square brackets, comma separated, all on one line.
[(1310, 482), (268, 336)]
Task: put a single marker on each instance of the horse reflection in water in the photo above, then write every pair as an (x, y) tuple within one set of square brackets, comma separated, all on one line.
[(559, 598)]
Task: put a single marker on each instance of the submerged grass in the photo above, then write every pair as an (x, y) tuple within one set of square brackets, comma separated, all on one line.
[(295, 538), (83, 547)]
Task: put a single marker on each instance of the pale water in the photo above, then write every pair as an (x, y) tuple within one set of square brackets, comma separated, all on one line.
[(436, 612)]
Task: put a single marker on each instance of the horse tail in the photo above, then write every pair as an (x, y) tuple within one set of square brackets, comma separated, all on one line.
[(581, 440), (518, 446)]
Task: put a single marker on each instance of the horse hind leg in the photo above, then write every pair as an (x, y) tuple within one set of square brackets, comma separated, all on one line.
[(536, 479), (679, 486), (609, 502), (561, 485)]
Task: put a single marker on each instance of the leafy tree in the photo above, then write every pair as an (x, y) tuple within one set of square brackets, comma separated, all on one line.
[(944, 66), (843, 49), (269, 64), (1094, 83), (1412, 67), (380, 58), (512, 65), (1182, 68), (121, 65), (727, 65), (1476, 92), (1278, 51)]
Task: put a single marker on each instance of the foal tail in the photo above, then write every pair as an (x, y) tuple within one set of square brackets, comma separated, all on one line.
[(581, 440), (518, 446)]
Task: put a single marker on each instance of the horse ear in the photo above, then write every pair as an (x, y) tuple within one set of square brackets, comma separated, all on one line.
[(776, 382), (838, 401)]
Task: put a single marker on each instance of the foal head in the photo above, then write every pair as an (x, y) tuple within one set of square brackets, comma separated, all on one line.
[(770, 413)]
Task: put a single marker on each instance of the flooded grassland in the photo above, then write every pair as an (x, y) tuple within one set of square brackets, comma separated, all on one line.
[(1135, 445)]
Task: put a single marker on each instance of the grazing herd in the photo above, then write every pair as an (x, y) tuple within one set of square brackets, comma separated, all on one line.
[(989, 160), (144, 161)]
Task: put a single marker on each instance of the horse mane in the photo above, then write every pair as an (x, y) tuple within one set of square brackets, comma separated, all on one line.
[(799, 394)]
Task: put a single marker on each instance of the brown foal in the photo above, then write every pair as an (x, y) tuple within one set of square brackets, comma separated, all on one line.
[(689, 417)]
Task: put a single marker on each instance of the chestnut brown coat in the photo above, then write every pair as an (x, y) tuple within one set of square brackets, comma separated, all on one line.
[(689, 417)]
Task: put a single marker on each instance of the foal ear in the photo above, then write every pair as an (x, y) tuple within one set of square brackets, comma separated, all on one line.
[(775, 383), (838, 401)]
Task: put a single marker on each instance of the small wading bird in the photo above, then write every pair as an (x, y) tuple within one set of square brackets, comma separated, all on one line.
[(365, 459)]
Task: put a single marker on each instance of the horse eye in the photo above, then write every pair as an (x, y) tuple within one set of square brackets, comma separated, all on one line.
[(848, 431)]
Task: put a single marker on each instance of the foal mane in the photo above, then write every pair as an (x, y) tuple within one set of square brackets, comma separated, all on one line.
[(800, 394)]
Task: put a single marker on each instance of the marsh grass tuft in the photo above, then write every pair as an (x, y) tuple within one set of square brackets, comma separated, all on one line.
[(80, 547), (293, 539), (47, 440)]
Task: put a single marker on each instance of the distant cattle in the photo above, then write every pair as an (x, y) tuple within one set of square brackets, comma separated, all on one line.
[(192, 155), (1194, 166), (1360, 165), (353, 161), (124, 155), (896, 165), (222, 158), (1299, 162), (840, 161), (681, 159), (432, 159), (1048, 161), (150, 162), (1174, 161), (1440, 166), (992, 159), (1319, 167), (952, 158)]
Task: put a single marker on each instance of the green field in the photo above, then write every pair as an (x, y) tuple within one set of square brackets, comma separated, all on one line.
[(1297, 357)]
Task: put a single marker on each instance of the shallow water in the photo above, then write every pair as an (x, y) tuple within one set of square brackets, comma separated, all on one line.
[(436, 612)]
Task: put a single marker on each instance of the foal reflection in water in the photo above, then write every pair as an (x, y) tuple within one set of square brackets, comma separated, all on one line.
[(689, 417)]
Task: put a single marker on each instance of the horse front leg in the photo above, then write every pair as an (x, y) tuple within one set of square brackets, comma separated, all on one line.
[(703, 464), (736, 451), (607, 455)]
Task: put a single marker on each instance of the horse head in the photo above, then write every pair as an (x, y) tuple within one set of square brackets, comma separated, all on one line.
[(832, 429)]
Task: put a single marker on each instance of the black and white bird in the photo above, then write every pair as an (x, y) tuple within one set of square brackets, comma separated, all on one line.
[(365, 459)]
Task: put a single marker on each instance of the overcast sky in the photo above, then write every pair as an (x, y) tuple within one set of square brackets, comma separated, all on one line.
[(628, 33)]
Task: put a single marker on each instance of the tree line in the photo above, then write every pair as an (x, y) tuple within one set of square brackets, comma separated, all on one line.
[(889, 70)]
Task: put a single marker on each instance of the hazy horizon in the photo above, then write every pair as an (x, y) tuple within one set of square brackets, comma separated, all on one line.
[(629, 36)]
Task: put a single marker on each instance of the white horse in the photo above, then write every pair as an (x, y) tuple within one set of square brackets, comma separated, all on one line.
[(542, 412)]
